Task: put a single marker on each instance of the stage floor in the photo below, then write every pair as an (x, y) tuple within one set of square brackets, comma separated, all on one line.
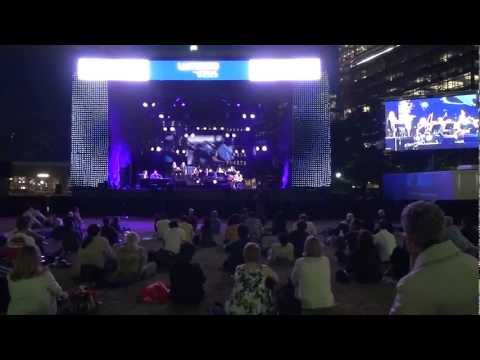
[(352, 299)]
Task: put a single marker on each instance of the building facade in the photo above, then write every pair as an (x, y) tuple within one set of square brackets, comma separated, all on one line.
[(369, 74)]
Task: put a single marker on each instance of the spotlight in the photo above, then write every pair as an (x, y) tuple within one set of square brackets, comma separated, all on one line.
[(234, 135), (158, 149), (204, 128), (243, 151), (214, 128), (264, 148), (252, 116), (257, 148), (172, 128), (338, 175), (152, 149), (145, 105), (353, 186), (42, 182), (154, 104), (215, 181), (161, 116), (247, 128), (227, 135), (244, 116), (238, 105), (177, 151), (165, 129), (183, 104), (43, 175), (198, 128), (198, 181), (222, 128), (185, 135), (193, 47), (236, 151), (192, 135), (184, 151)]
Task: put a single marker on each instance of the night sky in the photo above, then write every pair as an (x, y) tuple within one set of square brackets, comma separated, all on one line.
[(35, 96)]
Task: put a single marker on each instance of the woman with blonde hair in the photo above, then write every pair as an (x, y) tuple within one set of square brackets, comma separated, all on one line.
[(253, 285), (132, 261), (311, 277), (33, 288)]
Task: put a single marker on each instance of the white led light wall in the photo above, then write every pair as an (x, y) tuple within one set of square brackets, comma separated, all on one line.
[(95, 69), (89, 152), (311, 127), (306, 69)]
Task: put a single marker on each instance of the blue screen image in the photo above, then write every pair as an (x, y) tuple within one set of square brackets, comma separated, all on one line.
[(447, 122)]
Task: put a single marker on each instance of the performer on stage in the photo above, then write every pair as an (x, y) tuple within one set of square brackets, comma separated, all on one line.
[(155, 175)]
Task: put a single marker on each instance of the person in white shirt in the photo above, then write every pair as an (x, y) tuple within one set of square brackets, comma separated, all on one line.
[(23, 227), (174, 237), (311, 228), (33, 289), (95, 251), (36, 216), (442, 279), (161, 226), (254, 225), (187, 228), (384, 241), (282, 251), (311, 277)]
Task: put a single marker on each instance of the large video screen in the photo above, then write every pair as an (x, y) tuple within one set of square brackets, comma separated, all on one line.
[(447, 122)]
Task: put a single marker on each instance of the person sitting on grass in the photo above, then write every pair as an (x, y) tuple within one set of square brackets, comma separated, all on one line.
[(205, 235), (109, 232), (384, 241), (311, 277), (33, 289), (132, 262), (443, 280), (162, 224), (96, 258), (234, 250), (283, 251), (298, 237), (311, 228), (254, 282), (186, 279), (23, 227), (364, 264)]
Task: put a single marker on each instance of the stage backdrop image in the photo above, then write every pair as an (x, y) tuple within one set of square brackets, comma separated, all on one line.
[(138, 122), (447, 122)]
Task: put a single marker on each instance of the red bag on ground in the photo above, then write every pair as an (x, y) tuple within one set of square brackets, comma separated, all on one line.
[(156, 293)]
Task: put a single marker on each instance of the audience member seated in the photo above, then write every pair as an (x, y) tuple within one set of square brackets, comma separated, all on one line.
[(252, 292), (187, 228), (231, 234), (443, 280), (382, 218), (282, 252), (399, 262), (298, 237), (132, 262), (23, 227), (384, 241), (279, 224), (161, 226), (215, 223), (192, 219), (349, 218), (33, 288), (205, 235), (470, 230), (254, 225), (109, 232), (311, 277), (174, 237), (311, 228), (96, 259), (234, 250), (455, 235), (364, 263), (186, 279), (37, 219), (116, 225), (77, 220), (351, 238)]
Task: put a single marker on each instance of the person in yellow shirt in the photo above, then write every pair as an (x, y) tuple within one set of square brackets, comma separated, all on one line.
[(188, 228)]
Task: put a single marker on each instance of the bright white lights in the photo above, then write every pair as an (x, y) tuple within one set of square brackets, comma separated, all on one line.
[(154, 104), (252, 116), (145, 104), (185, 135), (172, 128), (198, 128), (214, 181), (222, 128), (301, 69), (236, 151), (234, 135), (161, 116), (257, 148), (95, 69), (214, 128), (264, 148), (193, 47), (165, 129), (376, 55), (243, 151), (244, 116), (152, 149), (227, 135), (192, 135), (158, 149), (205, 128), (247, 128), (338, 175), (43, 175), (184, 151), (177, 151)]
